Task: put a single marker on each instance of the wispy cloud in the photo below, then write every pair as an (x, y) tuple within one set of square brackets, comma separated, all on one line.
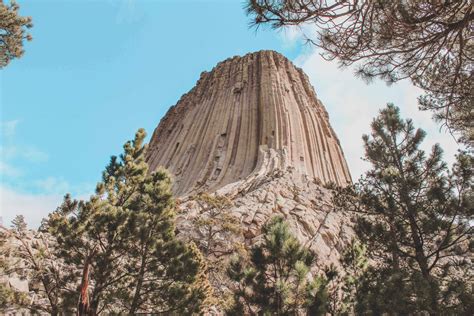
[(292, 35), (19, 194), (11, 152), (55, 185), (28, 153), (34, 207), (8, 128)]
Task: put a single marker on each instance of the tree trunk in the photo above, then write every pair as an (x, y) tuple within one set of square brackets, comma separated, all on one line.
[(83, 306), (141, 274), (94, 306), (54, 311), (416, 235)]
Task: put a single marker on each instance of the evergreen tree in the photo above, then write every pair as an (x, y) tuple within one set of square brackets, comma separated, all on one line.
[(277, 278), (8, 296), (12, 32), (415, 216), (154, 253), (19, 224), (216, 224), (54, 279), (217, 235), (29, 255), (345, 283), (123, 240)]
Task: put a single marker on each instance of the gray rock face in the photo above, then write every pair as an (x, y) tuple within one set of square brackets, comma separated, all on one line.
[(223, 129), (20, 285)]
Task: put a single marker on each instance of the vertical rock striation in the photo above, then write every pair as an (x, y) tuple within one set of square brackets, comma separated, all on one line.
[(249, 116)]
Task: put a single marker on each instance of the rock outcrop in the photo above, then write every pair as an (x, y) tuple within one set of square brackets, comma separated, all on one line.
[(249, 115), (302, 201), (253, 130)]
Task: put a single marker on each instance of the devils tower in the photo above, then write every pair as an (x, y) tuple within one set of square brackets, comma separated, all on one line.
[(253, 130), (249, 115)]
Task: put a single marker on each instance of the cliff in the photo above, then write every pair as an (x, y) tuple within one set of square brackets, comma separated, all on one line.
[(253, 132), (249, 115)]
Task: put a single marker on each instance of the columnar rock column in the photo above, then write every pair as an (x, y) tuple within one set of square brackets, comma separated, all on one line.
[(249, 115)]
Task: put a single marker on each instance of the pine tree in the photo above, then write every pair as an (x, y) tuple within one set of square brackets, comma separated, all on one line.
[(415, 217), (7, 295), (12, 32), (277, 278), (216, 225), (345, 283), (217, 234), (43, 267), (29, 254), (124, 242), (19, 224), (154, 253)]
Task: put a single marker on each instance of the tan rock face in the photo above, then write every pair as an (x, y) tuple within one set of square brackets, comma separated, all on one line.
[(253, 130), (249, 116), (302, 201)]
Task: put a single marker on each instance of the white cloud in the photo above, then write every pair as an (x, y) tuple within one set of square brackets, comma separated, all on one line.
[(33, 207), (33, 154), (13, 201), (292, 35), (352, 104), (27, 153)]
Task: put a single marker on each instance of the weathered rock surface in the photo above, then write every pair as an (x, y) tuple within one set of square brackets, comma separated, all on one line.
[(222, 130), (254, 131), (302, 201)]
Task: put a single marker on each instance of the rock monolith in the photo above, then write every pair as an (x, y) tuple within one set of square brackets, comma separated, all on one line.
[(249, 115), (254, 131)]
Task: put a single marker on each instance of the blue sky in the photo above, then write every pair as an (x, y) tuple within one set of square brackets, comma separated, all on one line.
[(96, 71)]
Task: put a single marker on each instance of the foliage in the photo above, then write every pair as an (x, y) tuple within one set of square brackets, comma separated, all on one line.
[(216, 223), (217, 235), (12, 32), (276, 280), (354, 266), (124, 241), (28, 255), (7, 295), (429, 42), (19, 224), (415, 217)]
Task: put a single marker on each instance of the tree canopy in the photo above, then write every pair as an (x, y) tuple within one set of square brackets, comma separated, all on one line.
[(123, 239), (277, 279), (13, 32), (415, 217)]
